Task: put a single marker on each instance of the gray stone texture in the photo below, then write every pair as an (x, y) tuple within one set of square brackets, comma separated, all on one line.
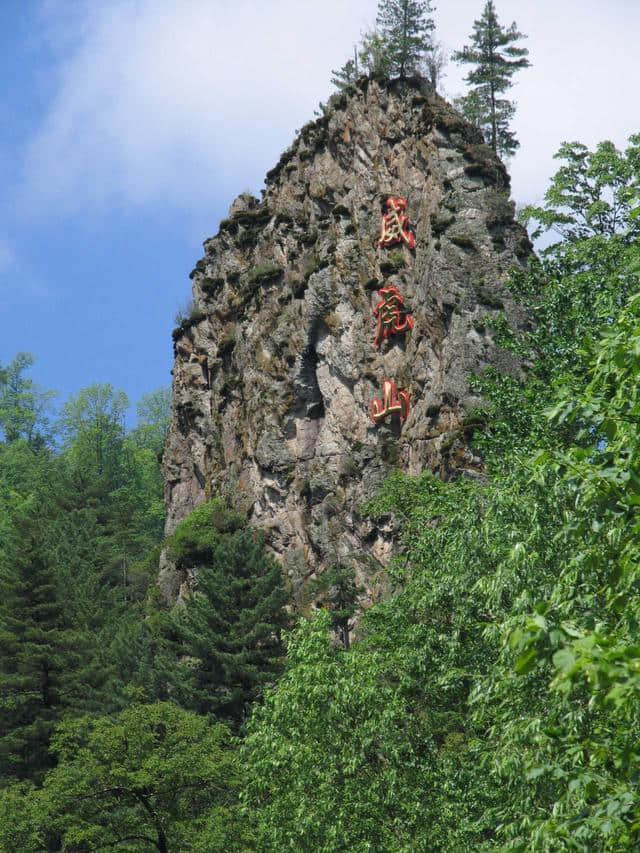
[(276, 369)]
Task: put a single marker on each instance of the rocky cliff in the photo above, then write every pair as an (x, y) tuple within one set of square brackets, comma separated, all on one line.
[(276, 367)]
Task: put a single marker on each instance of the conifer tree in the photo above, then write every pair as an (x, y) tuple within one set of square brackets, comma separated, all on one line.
[(230, 631), (406, 31), (39, 655), (496, 59), (348, 74), (337, 591)]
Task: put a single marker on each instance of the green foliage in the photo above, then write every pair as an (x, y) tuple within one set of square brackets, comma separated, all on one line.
[(23, 819), (496, 59), (401, 45), (473, 558), (593, 194), (573, 292), (110, 490), (336, 590), (265, 272), (330, 757), (348, 74), (92, 427), (22, 467), (405, 31), (584, 632), (229, 631), (154, 417), (193, 542), (76, 525), (23, 406), (373, 54), (472, 108), (154, 777), (40, 656), (392, 262)]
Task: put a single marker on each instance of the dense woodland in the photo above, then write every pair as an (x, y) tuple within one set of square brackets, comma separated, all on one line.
[(490, 701)]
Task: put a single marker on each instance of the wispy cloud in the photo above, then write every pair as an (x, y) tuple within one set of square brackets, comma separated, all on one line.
[(18, 282), (157, 100), (7, 258), (179, 102)]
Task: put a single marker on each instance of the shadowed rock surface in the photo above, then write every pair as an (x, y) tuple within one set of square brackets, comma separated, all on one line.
[(275, 369)]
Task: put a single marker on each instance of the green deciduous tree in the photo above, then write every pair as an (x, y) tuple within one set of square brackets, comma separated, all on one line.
[(593, 194), (23, 406), (333, 758), (154, 417), (405, 29), (583, 632), (575, 290), (496, 59), (92, 425), (154, 777), (23, 820), (374, 55)]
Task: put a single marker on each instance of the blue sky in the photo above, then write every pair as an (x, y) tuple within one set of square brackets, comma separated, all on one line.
[(128, 127)]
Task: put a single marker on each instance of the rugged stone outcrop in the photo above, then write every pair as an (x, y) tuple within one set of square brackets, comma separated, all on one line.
[(275, 368)]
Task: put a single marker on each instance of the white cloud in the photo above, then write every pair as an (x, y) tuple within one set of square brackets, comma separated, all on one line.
[(18, 282), (178, 101), (161, 100)]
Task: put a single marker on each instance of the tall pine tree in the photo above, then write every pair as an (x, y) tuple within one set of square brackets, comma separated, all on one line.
[(406, 31), (496, 59), (40, 656), (230, 631)]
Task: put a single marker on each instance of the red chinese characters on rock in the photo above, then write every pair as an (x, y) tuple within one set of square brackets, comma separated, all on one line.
[(392, 316), (396, 225), (392, 402)]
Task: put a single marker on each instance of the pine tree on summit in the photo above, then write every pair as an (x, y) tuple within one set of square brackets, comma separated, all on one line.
[(344, 77), (496, 59), (406, 31)]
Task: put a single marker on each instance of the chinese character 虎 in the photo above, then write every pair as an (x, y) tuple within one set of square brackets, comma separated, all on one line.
[(393, 317)]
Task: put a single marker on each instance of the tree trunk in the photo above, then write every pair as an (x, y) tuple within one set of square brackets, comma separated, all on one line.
[(494, 129), (405, 26), (162, 842)]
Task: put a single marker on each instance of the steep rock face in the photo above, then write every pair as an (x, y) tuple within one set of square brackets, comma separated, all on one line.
[(275, 369)]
